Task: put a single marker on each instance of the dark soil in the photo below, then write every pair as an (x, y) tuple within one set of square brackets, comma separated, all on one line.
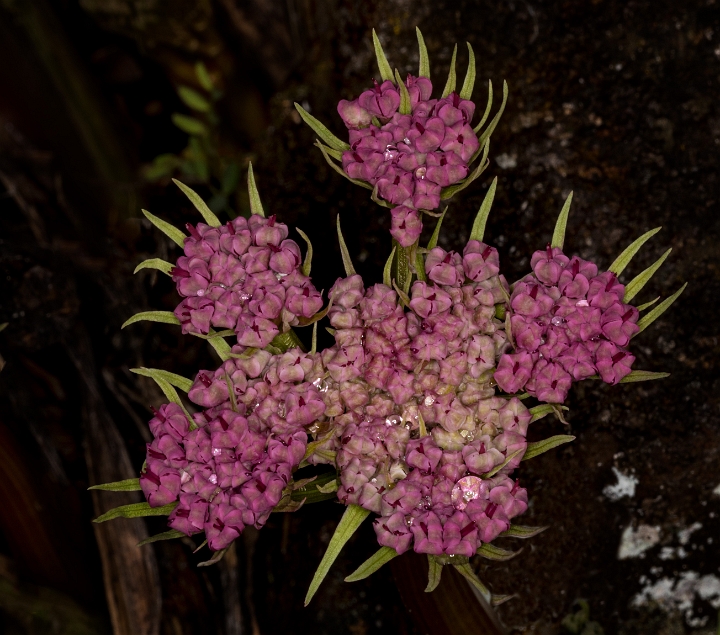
[(616, 101)]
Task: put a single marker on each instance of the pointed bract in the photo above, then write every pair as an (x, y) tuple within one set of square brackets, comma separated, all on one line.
[(558, 238), (383, 65), (626, 256), (424, 70), (452, 77), (469, 83), (199, 204), (478, 228)]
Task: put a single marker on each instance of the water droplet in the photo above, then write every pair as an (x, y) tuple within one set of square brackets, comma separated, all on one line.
[(393, 420), (216, 451), (582, 303), (320, 384), (406, 141), (429, 400), (464, 433), (201, 292), (557, 321), (213, 479), (373, 480), (281, 410), (542, 341), (410, 521), (465, 490), (390, 152), (541, 356), (425, 503), (420, 173), (314, 427), (470, 436), (244, 296)]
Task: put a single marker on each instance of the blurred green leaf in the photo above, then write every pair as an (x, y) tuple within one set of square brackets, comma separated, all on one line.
[(452, 78), (648, 319), (155, 263), (385, 69), (424, 70), (372, 564), (172, 232), (136, 510), (230, 179), (469, 575), (349, 523), (161, 167), (193, 99), (322, 132), (626, 256), (637, 283), (478, 228), (199, 204), (558, 238), (201, 72), (190, 125), (469, 83), (128, 485)]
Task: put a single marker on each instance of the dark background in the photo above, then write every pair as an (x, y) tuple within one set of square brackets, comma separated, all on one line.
[(614, 100)]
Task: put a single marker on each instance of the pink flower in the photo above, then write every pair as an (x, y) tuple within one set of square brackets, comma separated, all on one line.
[(396, 185), (461, 140), (444, 268), (353, 114), (393, 532), (406, 225), (513, 371), (605, 290), (383, 100), (619, 323), (578, 361), (613, 363), (445, 168), (548, 264)]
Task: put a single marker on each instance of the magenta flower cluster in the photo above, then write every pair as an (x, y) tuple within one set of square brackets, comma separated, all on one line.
[(419, 436), (243, 276), (229, 466), (408, 158), (568, 323)]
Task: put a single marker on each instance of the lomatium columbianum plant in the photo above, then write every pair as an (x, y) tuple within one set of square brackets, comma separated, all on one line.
[(419, 412)]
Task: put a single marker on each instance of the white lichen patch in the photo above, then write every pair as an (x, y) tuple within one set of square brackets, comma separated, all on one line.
[(684, 534), (679, 594), (635, 542), (625, 486)]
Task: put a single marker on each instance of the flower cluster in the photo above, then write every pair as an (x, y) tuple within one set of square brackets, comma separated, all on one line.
[(243, 276), (568, 323), (230, 465), (408, 158), (416, 424)]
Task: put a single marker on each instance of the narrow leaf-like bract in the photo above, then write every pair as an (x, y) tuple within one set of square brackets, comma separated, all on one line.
[(183, 383), (488, 107), (521, 531), (638, 282), (255, 203), (387, 271), (313, 344), (538, 412), (372, 564), (321, 131), (558, 237), (497, 468), (221, 347), (647, 305), (307, 263), (478, 228), (642, 375), (193, 99), (420, 266), (172, 232), (155, 263), (493, 124), (347, 262), (452, 78), (350, 521), (383, 65), (434, 573), (165, 535), (469, 575), (436, 232), (491, 552), (469, 83), (128, 485), (540, 447), (199, 204), (648, 319), (626, 256), (424, 70), (405, 107), (449, 191), (136, 510), (165, 317)]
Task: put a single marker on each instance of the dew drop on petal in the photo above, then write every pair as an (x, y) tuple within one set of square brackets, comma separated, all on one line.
[(393, 420), (429, 400), (465, 490), (216, 451), (213, 479), (420, 173), (557, 321), (320, 384), (201, 292), (406, 141)]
